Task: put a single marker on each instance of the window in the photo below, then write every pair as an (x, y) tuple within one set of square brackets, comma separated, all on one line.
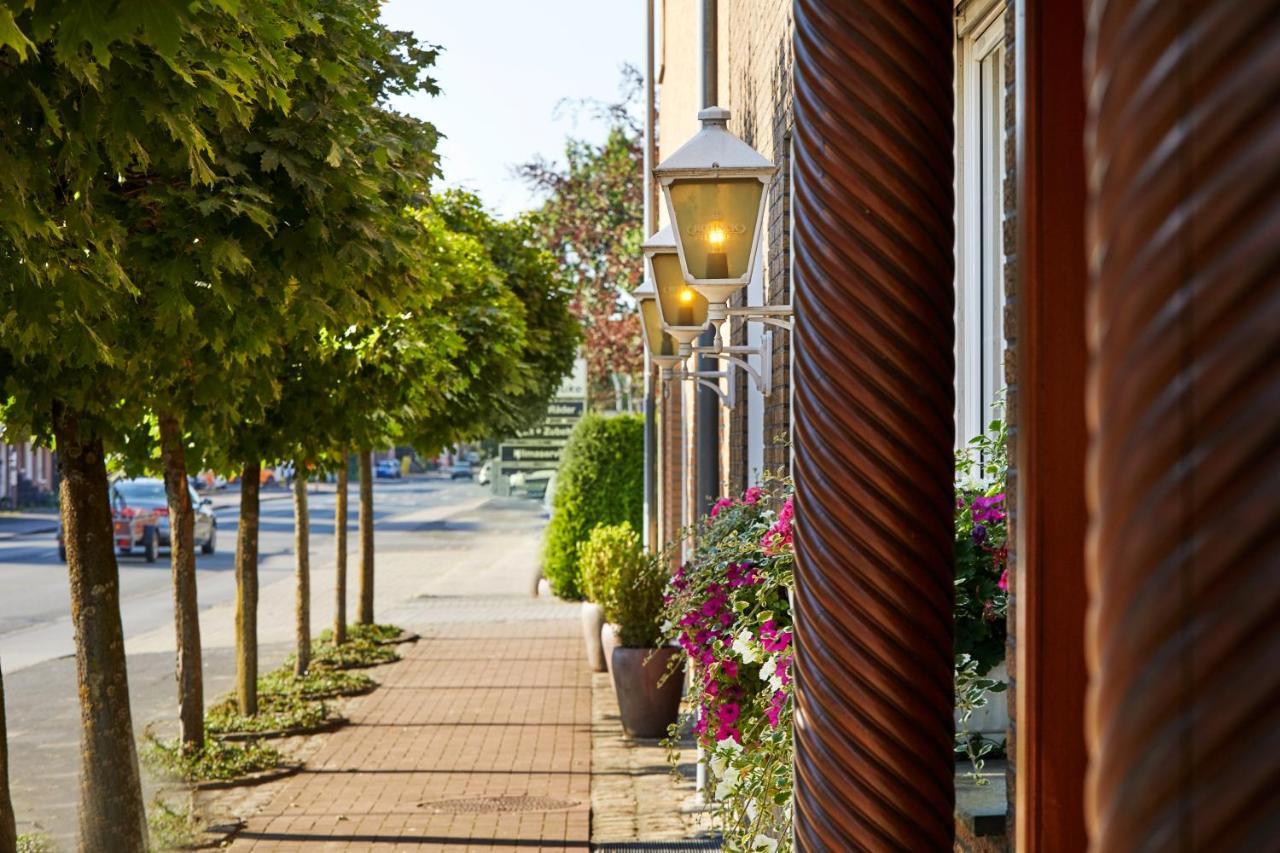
[(980, 139)]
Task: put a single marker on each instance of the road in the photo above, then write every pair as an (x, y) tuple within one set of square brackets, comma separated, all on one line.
[(37, 646), (35, 623)]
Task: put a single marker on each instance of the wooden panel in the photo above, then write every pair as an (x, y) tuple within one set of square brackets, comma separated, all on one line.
[(1183, 714), (874, 427), (1048, 434)]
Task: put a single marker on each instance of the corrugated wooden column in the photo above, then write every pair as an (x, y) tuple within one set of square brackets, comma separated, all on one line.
[(1183, 560), (874, 425)]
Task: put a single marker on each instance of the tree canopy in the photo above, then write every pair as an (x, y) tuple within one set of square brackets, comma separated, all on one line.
[(591, 221)]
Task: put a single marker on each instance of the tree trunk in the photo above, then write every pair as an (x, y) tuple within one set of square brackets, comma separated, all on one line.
[(8, 822), (111, 810), (366, 537), (340, 557), (247, 590), (186, 609), (302, 545)]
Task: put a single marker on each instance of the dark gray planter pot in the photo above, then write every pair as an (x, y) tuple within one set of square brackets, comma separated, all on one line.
[(592, 622), (647, 709)]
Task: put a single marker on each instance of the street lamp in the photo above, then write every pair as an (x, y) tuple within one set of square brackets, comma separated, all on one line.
[(682, 309), (663, 348), (715, 187)]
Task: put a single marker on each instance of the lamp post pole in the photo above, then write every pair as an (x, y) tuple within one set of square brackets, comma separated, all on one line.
[(651, 504), (707, 481)]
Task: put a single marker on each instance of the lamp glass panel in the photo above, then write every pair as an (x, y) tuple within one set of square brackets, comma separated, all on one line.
[(660, 343), (679, 303), (717, 221)]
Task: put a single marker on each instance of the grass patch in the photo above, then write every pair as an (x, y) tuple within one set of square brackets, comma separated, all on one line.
[(352, 654), (276, 712), (172, 828), (316, 684), (218, 761), (364, 633), (34, 842)]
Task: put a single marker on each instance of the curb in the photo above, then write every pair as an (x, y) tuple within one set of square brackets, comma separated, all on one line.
[(39, 531)]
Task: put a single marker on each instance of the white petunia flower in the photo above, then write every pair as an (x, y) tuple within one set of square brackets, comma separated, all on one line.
[(768, 669), (743, 648), (764, 842)]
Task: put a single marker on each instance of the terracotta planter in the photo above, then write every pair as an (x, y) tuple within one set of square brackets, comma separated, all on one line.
[(608, 642), (647, 709), (592, 622)]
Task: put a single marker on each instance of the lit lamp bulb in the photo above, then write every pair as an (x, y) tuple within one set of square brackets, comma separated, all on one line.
[(685, 313), (717, 259)]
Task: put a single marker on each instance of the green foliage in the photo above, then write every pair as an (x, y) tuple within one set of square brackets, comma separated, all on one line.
[(362, 633), (353, 654), (172, 827), (316, 684), (35, 842), (218, 761), (608, 554), (283, 711), (592, 223), (507, 382), (600, 481), (634, 593), (729, 610), (981, 550)]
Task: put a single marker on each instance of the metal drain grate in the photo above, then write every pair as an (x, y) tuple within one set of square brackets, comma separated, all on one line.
[(693, 844), (486, 805)]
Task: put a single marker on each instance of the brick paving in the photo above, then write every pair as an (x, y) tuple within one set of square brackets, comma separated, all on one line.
[(480, 739)]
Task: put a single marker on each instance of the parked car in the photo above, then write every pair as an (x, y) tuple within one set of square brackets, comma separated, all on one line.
[(461, 470), (387, 469), (486, 473), (140, 517), (537, 482)]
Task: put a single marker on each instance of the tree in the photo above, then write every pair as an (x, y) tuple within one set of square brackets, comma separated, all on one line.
[(8, 822), (592, 222), (507, 387), (94, 107), (339, 168)]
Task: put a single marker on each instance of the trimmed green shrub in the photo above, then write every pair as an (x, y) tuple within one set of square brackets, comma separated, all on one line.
[(635, 598), (600, 481), (603, 560)]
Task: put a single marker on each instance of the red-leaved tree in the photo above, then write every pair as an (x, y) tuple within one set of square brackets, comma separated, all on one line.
[(592, 222)]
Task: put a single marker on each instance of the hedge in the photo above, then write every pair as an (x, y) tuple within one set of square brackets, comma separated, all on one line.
[(600, 481)]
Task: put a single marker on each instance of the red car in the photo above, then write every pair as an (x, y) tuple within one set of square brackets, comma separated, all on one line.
[(140, 519)]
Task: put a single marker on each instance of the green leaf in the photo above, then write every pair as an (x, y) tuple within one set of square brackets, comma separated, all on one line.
[(13, 37)]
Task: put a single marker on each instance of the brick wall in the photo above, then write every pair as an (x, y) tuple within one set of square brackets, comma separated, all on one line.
[(760, 98), (1011, 394)]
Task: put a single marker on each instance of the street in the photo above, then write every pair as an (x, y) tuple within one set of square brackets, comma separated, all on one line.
[(37, 647)]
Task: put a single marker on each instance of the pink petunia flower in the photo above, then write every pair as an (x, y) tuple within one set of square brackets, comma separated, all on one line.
[(723, 503)]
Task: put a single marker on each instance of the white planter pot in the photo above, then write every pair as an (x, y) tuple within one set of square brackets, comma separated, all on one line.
[(608, 642), (592, 622)]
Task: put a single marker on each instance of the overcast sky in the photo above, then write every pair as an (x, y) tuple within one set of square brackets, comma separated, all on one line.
[(505, 66)]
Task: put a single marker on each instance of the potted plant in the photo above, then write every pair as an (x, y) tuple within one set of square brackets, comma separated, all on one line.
[(647, 684), (594, 559)]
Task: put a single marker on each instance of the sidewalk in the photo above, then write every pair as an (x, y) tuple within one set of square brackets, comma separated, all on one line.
[(28, 522), (480, 739)]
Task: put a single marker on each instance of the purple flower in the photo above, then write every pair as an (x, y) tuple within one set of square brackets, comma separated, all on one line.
[(987, 509), (776, 703), (979, 534)]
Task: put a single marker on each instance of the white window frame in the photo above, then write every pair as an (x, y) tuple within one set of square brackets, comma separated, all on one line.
[(980, 296)]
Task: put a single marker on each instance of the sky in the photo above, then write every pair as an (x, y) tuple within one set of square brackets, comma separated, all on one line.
[(506, 66)]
